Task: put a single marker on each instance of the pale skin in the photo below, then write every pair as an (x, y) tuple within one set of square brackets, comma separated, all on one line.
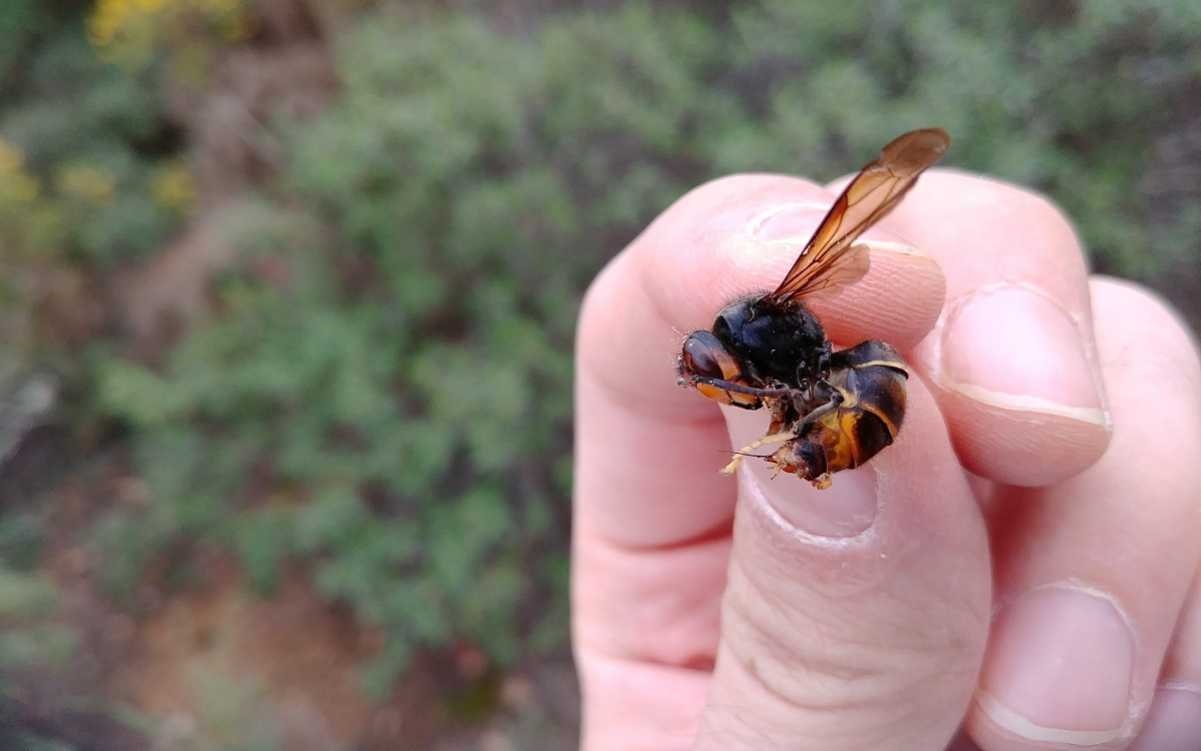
[(1016, 572)]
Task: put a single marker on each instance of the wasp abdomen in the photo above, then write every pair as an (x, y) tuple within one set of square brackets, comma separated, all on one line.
[(868, 435), (879, 389), (870, 380)]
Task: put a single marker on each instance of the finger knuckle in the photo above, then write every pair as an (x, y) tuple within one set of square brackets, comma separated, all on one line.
[(1046, 234)]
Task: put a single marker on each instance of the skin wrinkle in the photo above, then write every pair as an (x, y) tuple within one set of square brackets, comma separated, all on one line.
[(703, 419), (757, 737), (844, 582), (650, 614), (739, 613), (696, 660), (586, 653), (664, 527), (678, 477), (748, 666), (673, 725), (888, 714), (604, 465), (838, 656), (742, 729), (719, 531)]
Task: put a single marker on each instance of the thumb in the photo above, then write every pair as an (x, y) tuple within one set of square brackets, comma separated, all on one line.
[(854, 617)]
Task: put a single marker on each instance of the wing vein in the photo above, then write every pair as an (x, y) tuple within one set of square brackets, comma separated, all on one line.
[(831, 260)]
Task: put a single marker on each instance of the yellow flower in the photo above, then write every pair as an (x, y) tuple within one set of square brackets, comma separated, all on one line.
[(11, 158), (25, 189), (134, 23), (89, 183), (16, 185), (109, 19), (173, 187)]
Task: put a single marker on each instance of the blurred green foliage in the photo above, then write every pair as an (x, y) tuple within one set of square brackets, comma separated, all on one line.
[(30, 638), (88, 143), (33, 639), (1083, 101), (381, 393)]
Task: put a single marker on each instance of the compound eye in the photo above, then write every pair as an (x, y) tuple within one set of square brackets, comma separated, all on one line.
[(705, 356)]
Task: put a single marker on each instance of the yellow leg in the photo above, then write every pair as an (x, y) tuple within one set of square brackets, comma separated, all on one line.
[(822, 481), (781, 437)]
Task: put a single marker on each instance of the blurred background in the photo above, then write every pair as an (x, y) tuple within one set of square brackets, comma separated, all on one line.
[(287, 299)]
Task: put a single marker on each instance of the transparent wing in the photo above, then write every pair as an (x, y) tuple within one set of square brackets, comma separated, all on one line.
[(830, 259)]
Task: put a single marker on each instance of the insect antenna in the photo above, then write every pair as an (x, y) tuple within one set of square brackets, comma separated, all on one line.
[(747, 453)]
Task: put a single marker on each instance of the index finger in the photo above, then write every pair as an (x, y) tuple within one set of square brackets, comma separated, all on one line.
[(1013, 360), (648, 450)]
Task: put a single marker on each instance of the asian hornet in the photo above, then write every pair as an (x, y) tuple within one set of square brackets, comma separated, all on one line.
[(829, 410)]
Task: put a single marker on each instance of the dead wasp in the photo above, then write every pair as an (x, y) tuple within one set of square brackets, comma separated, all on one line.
[(830, 410)]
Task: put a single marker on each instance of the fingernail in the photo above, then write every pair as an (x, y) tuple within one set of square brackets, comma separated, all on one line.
[(1058, 668), (1015, 347), (846, 509), (792, 221), (795, 222), (1174, 723)]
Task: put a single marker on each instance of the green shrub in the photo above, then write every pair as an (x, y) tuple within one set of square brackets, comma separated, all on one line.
[(29, 636)]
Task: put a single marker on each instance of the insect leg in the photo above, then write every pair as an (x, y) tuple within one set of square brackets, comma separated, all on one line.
[(810, 413), (781, 437), (816, 413), (738, 387)]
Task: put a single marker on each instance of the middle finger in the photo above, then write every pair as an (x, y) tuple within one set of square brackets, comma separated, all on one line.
[(1091, 573)]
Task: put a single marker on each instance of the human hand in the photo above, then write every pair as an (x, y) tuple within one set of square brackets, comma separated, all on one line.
[(1046, 484)]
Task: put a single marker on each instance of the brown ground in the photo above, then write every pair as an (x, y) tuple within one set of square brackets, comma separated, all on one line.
[(286, 667), (214, 666)]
